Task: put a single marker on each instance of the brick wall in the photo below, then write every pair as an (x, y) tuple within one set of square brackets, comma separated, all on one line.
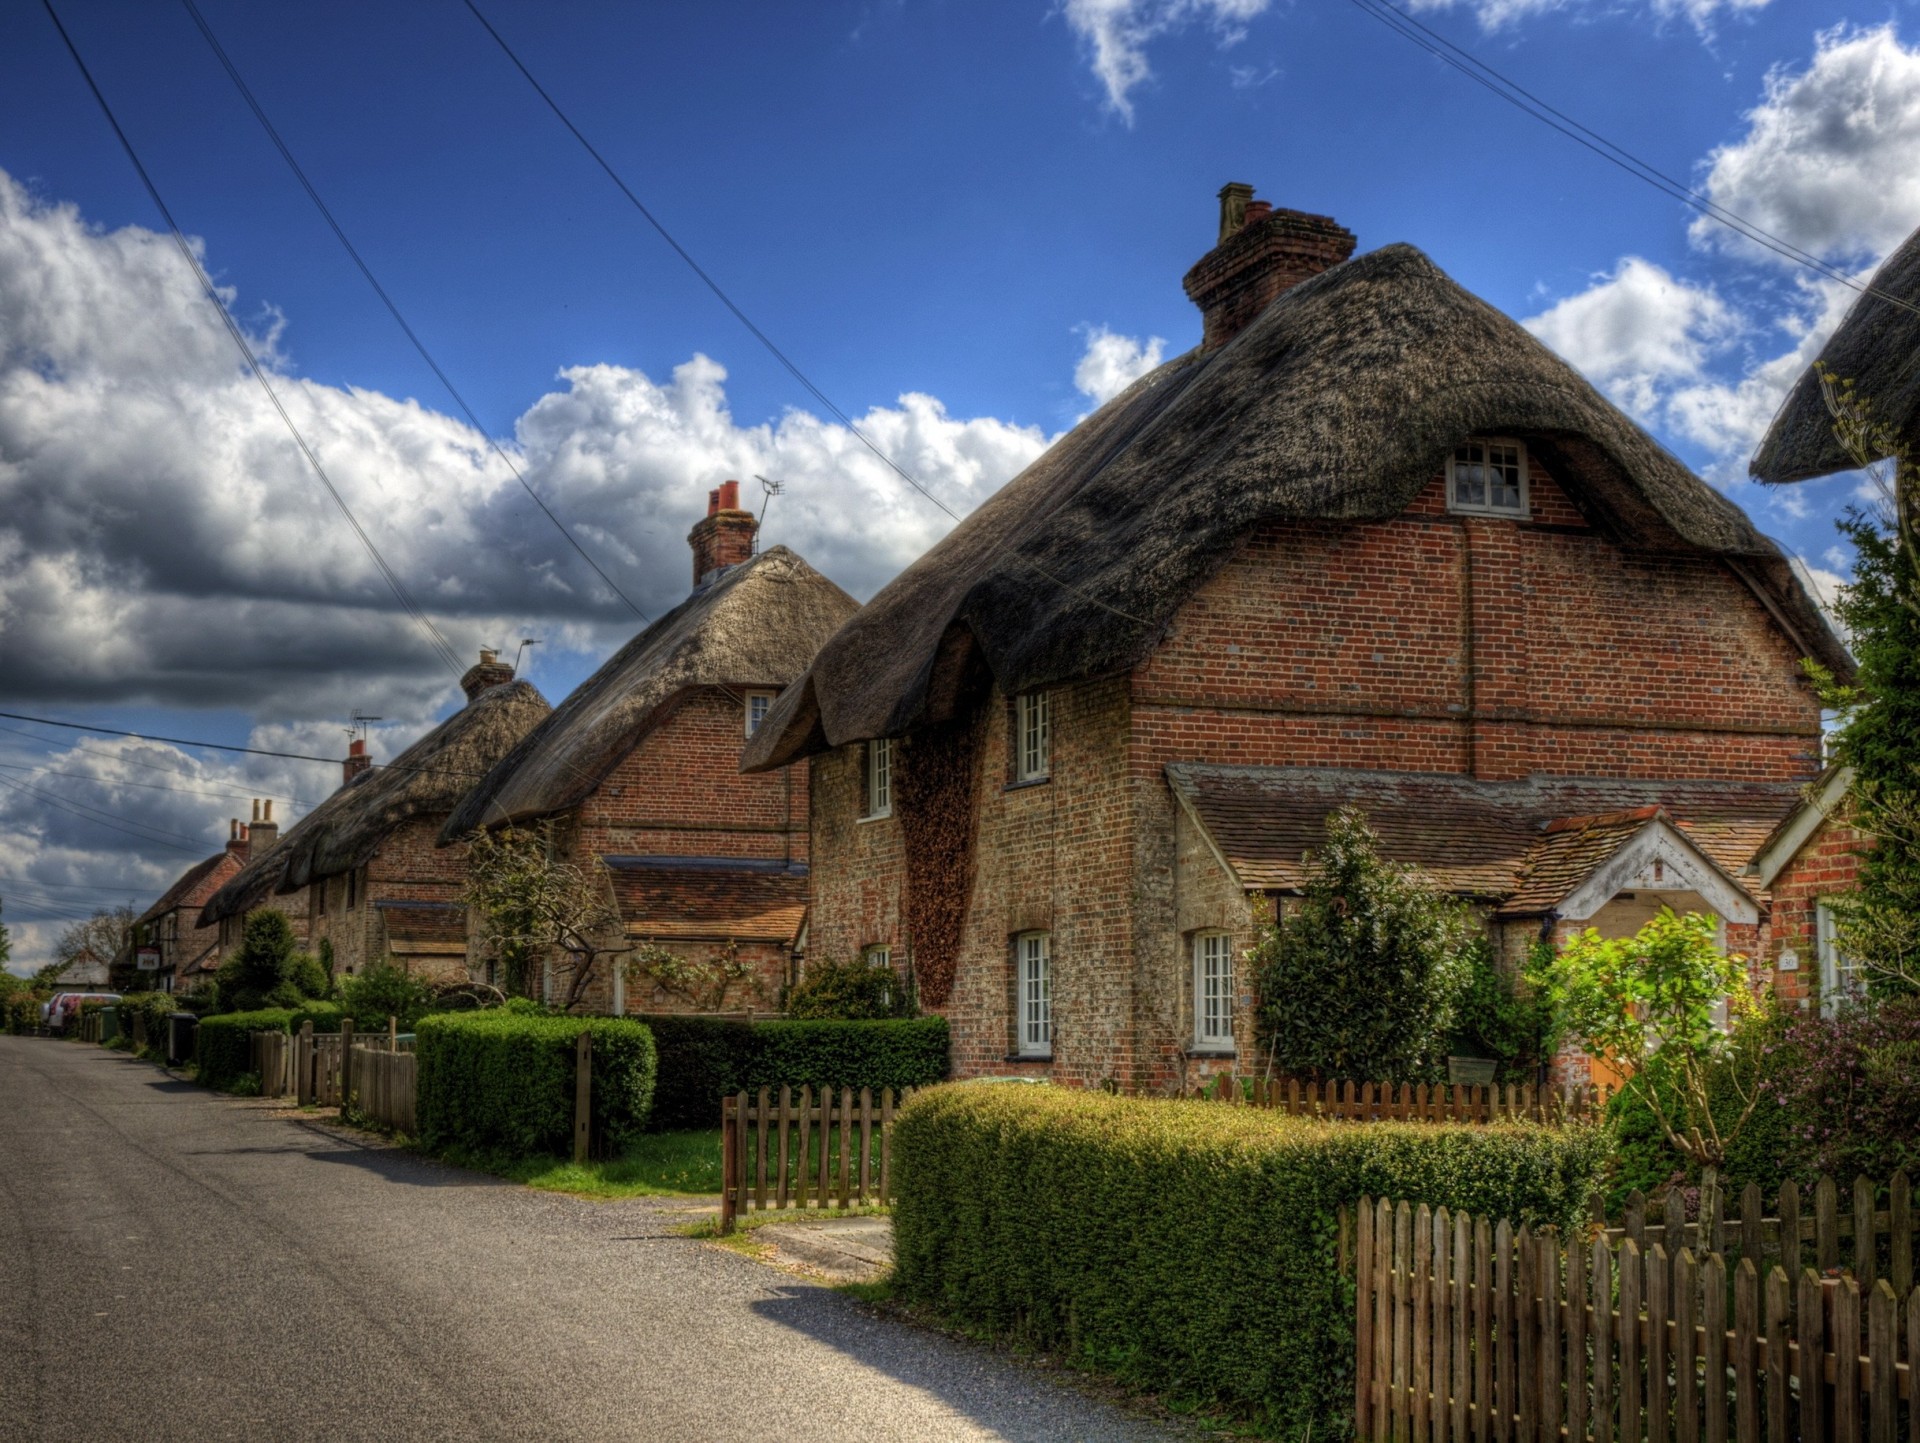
[(406, 866), (1827, 866), (1429, 642)]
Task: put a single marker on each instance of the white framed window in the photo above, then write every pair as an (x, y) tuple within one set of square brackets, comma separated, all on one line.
[(1032, 737), (879, 780), (757, 704), (1840, 979), (879, 955), (1034, 977), (1213, 991), (1487, 476)]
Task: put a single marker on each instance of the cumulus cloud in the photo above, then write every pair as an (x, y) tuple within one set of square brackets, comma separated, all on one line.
[(1637, 331), (1496, 14), (1112, 362), (1118, 32), (1830, 160), (161, 539)]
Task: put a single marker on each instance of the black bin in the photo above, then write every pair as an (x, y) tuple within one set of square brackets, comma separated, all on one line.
[(180, 1030)]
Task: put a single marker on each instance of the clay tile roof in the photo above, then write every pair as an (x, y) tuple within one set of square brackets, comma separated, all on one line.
[(1339, 403), (1524, 843), (194, 886), (709, 899), (423, 921)]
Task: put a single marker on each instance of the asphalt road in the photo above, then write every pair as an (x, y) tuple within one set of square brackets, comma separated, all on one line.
[(174, 1265)]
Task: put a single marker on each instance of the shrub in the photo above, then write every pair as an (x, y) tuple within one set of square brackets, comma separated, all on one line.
[(499, 1081), (221, 1049), (307, 974), (20, 1010), (382, 991), (1501, 1018), (262, 966), (1360, 981), (1188, 1248), (153, 1008), (849, 992), (703, 1059), (1848, 1089)]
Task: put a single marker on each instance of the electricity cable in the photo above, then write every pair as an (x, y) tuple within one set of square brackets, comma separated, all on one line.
[(434, 635), (1524, 100), (217, 746), (759, 335), (60, 805), (393, 309), (144, 786), (101, 813), (81, 749)]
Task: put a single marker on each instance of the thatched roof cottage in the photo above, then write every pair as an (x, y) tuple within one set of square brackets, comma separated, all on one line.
[(1368, 526), (362, 869), (640, 768)]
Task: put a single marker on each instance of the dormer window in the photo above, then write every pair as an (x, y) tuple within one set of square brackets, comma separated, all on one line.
[(758, 703), (1487, 476)]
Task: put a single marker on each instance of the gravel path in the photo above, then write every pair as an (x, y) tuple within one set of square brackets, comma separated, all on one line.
[(174, 1265)]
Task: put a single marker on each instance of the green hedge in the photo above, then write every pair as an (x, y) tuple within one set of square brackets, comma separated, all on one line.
[(21, 1011), (702, 1059), (156, 1008), (497, 1081), (220, 1047), (1187, 1247)]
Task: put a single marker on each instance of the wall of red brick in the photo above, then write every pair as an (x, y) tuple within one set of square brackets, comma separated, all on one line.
[(1827, 866)]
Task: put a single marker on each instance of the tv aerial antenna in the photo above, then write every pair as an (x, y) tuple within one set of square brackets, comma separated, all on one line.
[(361, 724), (525, 642), (772, 489)]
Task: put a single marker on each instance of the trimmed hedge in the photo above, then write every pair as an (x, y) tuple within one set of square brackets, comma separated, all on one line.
[(156, 1008), (1188, 1248), (500, 1081), (220, 1046), (703, 1059)]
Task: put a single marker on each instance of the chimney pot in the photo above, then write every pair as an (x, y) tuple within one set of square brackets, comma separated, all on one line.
[(1262, 254), (725, 537), (357, 760), (488, 673)]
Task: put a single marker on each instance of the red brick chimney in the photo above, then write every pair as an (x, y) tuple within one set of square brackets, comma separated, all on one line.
[(488, 673), (236, 838), (262, 832), (1262, 253), (357, 760), (724, 537)]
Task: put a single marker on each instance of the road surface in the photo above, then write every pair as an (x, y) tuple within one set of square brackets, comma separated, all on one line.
[(176, 1265)]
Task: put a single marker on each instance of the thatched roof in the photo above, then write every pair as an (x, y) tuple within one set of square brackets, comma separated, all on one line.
[(1877, 348), (1339, 403), (426, 780), (757, 625)]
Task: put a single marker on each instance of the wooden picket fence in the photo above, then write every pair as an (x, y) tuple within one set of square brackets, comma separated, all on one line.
[(1470, 1332), (1384, 1102), (384, 1087), (307, 1065), (789, 1150)]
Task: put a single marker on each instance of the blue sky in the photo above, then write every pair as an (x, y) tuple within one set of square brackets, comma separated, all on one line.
[(967, 222)]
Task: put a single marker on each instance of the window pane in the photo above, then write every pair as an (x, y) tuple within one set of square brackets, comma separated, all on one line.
[(1036, 1009)]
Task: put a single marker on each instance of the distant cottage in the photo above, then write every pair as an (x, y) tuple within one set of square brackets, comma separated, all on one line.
[(361, 874), (640, 768), (1369, 543), (181, 949)]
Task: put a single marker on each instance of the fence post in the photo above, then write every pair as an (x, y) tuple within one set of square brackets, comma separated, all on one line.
[(728, 1122), (303, 1062), (393, 1033), (582, 1095), (346, 1065)]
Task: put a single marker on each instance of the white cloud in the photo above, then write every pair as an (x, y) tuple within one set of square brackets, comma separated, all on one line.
[(1831, 156), (1117, 33), (1112, 362), (1496, 14), (1636, 332)]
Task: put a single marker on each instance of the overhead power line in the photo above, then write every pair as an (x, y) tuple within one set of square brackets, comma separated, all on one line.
[(216, 746), (1524, 100), (759, 335), (393, 309), (144, 786), (433, 633), (145, 834)]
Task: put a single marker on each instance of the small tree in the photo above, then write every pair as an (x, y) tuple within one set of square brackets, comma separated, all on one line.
[(100, 937), (530, 902), (1647, 1005), (384, 990), (703, 985), (6, 946), (1361, 981), (262, 972)]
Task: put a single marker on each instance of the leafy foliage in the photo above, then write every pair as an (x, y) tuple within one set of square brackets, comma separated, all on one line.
[(221, 1050), (1880, 712), (1647, 1004), (1187, 1247), (382, 991), (703, 1059), (99, 937), (1361, 980), (1501, 1017), (531, 902), (153, 1008), (703, 985), (1848, 1088), (849, 992), (267, 970), (502, 1081)]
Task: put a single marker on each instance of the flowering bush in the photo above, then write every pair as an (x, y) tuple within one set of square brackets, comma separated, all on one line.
[(1849, 1090)]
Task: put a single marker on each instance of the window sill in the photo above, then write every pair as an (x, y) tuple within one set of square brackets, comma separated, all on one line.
[(1021, 786), (885, 816), (1043, 1058), (1221, 1052)]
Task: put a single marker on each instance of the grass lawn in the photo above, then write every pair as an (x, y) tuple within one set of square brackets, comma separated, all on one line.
[(659, 1163)]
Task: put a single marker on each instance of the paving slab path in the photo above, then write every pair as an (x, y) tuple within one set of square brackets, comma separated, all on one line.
[(176, 1265)]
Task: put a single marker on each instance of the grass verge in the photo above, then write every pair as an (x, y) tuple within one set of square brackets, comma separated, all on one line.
[(656, 1164)]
